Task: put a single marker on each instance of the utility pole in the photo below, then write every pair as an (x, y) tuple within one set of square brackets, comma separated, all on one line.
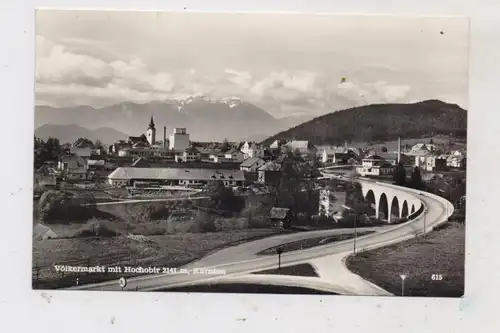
[(279, 251), (355, 233)]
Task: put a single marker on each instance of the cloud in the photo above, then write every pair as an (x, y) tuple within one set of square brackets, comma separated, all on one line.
[(65, 76), (241, 79), (59, 67), (374, 92)]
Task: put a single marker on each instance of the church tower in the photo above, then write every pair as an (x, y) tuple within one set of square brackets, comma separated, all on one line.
[(151, 132)]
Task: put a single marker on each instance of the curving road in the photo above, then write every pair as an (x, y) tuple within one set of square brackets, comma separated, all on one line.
[(328, 259)]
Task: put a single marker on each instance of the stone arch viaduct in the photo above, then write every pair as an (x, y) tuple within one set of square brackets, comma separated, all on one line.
[(389, 200)]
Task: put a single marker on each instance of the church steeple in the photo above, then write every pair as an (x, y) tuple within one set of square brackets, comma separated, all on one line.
[(151, 123), (151, 132)]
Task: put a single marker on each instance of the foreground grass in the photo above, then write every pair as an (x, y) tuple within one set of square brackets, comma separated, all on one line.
[(295, 270), (442, 252), (311, 242), (241, 288), (160, 251)]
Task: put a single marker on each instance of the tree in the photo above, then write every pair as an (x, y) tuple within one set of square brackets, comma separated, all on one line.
[(225, 146), (416, 179), (223, 198), (399, 175), (431, 142), (384, 149), (98, 144)]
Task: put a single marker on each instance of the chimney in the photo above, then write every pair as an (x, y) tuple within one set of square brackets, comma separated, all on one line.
[(164, 136), (399, 149)]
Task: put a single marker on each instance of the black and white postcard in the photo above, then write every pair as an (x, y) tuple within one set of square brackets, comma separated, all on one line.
[(250, 153)]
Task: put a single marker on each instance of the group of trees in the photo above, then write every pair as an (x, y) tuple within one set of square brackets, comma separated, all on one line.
[(45, 151), (294, 188), (400, 177), (65, 206)]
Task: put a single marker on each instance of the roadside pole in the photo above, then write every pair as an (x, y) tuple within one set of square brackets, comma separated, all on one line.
[(425, 217), (279, 251), (403, 277)]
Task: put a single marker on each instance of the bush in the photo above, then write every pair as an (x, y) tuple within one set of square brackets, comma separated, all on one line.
[(97, 229), (224, 224), (206, 222), (65, 206), (150, 229)]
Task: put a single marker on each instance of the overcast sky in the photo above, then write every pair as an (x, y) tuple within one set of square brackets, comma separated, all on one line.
[(287, 64)]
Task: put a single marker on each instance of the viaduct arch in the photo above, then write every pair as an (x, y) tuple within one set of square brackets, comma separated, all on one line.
[(390, 202)]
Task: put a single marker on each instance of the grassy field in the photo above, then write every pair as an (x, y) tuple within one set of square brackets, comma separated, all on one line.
[(165, 250), (442, 253), (311, 242), (295, 270)]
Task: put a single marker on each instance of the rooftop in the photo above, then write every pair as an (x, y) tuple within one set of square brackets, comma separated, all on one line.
[(270, 166), (250, 161), (176, 174)]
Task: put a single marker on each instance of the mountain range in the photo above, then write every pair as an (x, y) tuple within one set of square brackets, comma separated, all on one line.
[(380, 122), (206, 119)]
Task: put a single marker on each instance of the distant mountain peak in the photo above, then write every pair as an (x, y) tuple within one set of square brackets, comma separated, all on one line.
[(181, 102)]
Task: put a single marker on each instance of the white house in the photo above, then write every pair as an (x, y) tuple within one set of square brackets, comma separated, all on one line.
[(375, 165), (334, 155), (376, 170), (252, 164), (250, 150), (188, 155)]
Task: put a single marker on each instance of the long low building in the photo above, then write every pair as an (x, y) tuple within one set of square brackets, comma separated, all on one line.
[(127, 176)]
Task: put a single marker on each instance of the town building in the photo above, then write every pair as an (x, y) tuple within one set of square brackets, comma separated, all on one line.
[(82, 147), (189, 155), (74, 167), (269, 173), (431, 162), (302, 146), (456, 161), (252, 164), (375, 165), (251, 150), (234, 155), (127, 176), (421, 149), (335, 155), (179, 139)]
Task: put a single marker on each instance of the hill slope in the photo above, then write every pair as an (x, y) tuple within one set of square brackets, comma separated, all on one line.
[(70, 133), (379, 122)]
